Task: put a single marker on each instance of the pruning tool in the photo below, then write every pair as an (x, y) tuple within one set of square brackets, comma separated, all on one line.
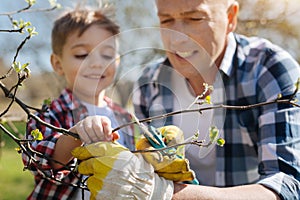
[(155, 139)]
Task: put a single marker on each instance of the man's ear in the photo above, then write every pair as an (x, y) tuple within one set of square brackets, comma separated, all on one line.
[(56, 64), (232, 15)]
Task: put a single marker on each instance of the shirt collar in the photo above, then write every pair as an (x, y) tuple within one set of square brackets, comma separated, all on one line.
[(226, 64), (70, 102)]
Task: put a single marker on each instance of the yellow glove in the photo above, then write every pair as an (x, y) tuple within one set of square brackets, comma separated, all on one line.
[(116, 173), (174, 168)]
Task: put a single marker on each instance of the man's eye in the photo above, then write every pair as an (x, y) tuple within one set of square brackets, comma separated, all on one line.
[(165, 21), (81, 56), (196, 18)]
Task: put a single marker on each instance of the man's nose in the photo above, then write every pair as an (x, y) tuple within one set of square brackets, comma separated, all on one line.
[(178, 37), (176, 34)]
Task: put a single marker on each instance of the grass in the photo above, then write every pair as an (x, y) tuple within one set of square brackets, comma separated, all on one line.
[(15, 183)]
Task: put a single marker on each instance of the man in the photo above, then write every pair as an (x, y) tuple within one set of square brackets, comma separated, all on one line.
[(260, 159)]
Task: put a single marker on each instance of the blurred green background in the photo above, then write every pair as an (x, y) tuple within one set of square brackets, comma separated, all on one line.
[(15, 184), (278, 22)]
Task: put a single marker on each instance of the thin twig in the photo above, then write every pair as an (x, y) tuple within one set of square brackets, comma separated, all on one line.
[(28, 10), (229, 107)]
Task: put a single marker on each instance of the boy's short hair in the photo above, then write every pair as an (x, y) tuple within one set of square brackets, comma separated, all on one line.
[(79, 20)]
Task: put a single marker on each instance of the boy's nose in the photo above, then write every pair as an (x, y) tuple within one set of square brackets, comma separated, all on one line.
[(96, 61), (96, 64)]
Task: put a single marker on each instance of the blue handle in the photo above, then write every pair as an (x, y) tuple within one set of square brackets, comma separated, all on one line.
[(158, 137)]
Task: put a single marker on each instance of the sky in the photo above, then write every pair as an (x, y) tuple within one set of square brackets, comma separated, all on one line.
[(37, 49), (138, 44)]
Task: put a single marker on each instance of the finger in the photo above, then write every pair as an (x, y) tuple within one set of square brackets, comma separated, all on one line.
[(80, 129), (171, 134), (98, 149), (98, 128), (81, 153), (107, 129), (143, 144), (182, 176), (172, 166), (103, 165), (95, 166), (95, 184), (93, 128)]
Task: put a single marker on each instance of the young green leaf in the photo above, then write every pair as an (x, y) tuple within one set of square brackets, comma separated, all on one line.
[(24, 66), (36, 134), (18, 149), (213, 133), (30, 2), (54, 3), (47, 101), (279, 96), (196, 135), (208, 99), (220, 142), (15, 23), (32, 31), (17, 66)]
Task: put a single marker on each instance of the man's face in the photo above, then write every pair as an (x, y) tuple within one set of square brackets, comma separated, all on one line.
[(194, 33)]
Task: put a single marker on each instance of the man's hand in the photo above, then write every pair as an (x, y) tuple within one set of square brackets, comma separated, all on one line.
[(116, 173), (176, 167)]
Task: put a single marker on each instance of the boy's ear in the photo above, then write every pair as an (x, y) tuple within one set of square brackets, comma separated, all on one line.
[(56, 64)]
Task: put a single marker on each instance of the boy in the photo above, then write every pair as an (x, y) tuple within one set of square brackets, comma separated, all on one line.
[(85, 54)]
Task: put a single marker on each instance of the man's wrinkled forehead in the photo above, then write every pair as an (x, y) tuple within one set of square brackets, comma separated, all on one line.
[(165, 7), (170, 2)]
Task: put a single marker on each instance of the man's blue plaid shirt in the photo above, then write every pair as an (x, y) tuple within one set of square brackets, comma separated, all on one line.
[(262, 144)]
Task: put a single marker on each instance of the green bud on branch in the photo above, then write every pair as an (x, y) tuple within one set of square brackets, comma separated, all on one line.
[(30, 2), (37, 135)]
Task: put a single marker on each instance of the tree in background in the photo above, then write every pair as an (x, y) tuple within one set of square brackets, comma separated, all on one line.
[(275, 21), (139, 44)]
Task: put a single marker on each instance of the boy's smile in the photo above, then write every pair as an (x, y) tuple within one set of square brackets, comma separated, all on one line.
[(88, 62)]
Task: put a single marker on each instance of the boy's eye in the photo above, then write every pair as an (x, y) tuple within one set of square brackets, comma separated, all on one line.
[(81, 56)]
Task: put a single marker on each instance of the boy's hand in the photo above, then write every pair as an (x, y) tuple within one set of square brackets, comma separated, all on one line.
[(116, 173), (94, 129), (176, 167)]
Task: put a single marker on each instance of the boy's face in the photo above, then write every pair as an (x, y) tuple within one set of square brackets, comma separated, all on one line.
[(88, 62)]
